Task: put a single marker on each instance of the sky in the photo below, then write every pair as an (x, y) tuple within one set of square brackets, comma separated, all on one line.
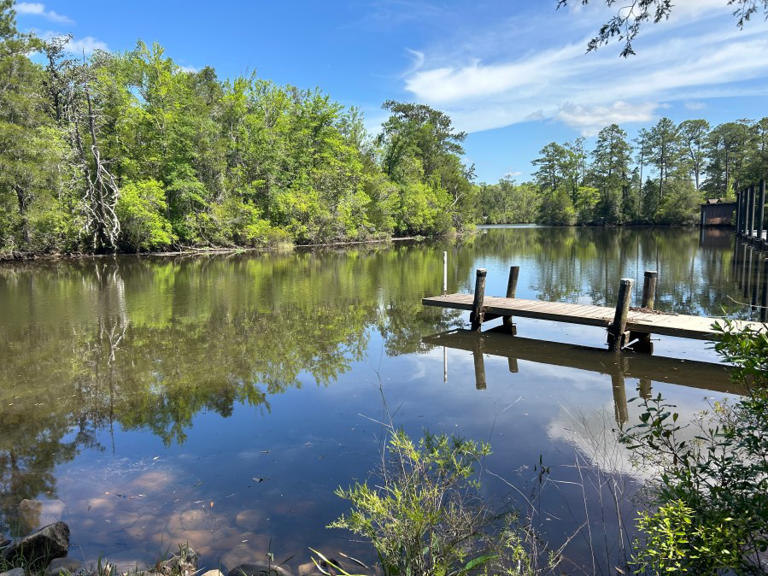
[(513, 74)]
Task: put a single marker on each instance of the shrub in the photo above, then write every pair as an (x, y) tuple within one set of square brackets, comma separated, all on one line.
[(424, 515), (711, 495)]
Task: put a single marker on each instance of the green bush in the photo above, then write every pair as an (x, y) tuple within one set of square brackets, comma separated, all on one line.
[(424, 515), (711, 495)]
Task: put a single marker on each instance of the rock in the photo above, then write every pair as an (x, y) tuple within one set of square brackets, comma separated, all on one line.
[(213, 573), (38, 549), (65, 565), (258, 569), (14, 572)]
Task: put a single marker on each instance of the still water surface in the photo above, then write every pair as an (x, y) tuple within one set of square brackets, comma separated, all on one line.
[(220, 400)]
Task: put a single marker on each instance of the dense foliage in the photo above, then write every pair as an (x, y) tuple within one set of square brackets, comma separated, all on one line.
[(660, 180), (711, 495), (132, 152)]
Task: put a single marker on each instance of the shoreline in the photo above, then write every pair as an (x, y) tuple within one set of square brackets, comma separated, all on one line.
[(219, 251)]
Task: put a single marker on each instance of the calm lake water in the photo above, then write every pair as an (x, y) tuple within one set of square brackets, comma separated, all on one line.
[(220, 400)]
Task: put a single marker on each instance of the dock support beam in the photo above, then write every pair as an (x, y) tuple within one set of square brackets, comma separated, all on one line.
[(514, 273), (476, 317), (739, 212), (751, 212), (617, 336)]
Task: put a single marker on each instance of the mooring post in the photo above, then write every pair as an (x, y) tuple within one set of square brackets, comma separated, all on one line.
[(643, 339), (514, 273), (751, 212), (739, 211), (445, 272), (649, 288), (476, 316), (761, 211), (616, 331)]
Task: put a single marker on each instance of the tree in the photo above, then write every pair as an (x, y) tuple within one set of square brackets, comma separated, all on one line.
[(693, 137), (664, 150), (727, 149), (611, 155), (626, 24)]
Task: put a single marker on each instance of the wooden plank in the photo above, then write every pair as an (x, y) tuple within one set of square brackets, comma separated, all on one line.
[(679, 325)]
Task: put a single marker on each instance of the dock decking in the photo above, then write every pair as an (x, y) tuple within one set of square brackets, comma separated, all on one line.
[(650, 322), (626, 326)]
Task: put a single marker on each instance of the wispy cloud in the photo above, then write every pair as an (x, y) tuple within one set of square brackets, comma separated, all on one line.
[(38, 9), (698, 51), (86, 45)]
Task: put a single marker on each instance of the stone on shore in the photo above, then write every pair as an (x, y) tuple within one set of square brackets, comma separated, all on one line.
[(38, 549), (14, 572)]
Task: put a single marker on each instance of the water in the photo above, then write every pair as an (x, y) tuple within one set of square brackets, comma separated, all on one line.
[(220, 400)]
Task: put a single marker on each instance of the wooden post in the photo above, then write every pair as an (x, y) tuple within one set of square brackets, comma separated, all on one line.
[(751, 212), (616, 331), (761, 211), (514, 273), (476, 316), (739, 212), (649, 288), (644, 343)]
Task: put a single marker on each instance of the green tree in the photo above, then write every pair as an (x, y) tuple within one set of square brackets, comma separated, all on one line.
[(693, 138), (610, 170)]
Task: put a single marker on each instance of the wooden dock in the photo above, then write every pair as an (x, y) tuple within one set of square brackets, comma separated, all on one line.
[(626, 326)]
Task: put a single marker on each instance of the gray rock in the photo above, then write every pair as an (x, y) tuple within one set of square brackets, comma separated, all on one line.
[(65, 565), (38, 549), (213, 573), (14, 572), (258, 569)]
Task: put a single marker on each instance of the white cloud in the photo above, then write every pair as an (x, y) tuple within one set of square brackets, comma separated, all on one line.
[(189, 69), (38, 9), (86, 45), (699, 51), (590, 119)]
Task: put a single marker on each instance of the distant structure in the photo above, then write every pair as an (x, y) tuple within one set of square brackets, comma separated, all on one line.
[(718, 212)]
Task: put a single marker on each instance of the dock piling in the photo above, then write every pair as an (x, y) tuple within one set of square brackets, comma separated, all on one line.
[(617, 330), (514, 273), (476, 316), (643, 339)]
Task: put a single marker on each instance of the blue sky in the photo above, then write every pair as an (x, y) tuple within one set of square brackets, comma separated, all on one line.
[(511, 73)]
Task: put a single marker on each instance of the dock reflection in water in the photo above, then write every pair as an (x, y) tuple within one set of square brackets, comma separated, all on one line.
[(646, 369)]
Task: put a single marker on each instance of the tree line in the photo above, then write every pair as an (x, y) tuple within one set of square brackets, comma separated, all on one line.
[(659, 178), (131, 152)]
